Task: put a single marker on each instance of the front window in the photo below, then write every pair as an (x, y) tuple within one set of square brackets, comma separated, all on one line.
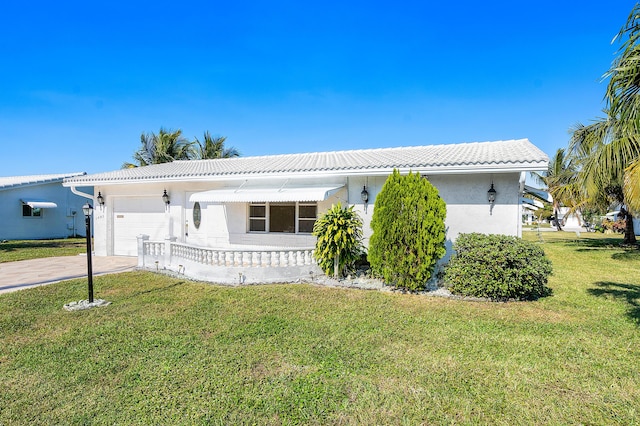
[(282, 217), (288, 218), (307, 217)]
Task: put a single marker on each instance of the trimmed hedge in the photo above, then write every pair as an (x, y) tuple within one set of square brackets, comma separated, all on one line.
[(498, 267)]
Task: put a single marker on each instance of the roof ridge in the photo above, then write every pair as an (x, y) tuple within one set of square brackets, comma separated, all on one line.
[(355, 150)]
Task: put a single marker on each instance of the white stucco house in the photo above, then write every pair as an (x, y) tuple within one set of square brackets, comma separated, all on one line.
[(249, 219), (39, 207)]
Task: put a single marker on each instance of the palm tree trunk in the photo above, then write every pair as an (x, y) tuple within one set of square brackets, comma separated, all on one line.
[(336, 266), (555, 218), (629, 233)]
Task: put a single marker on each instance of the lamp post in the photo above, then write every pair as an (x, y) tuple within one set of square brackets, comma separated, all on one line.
[(87, 210)]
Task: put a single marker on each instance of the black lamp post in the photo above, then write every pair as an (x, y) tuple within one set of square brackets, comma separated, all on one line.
[(88, 209)]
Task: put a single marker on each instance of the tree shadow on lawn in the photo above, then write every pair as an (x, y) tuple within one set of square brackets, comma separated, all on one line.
[(627, 292), (153, 290), (40, 244), (591, 244)]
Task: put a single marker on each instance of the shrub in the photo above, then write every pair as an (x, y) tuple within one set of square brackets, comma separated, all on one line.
[(498, 267), (339, 243), (408, 231), (618, 226)]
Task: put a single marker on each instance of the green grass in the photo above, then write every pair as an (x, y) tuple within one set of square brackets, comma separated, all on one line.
[(14, 250), (167, 351)]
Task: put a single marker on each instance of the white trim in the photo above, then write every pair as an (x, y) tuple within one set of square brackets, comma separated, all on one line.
[(314, 175), (80, 193)]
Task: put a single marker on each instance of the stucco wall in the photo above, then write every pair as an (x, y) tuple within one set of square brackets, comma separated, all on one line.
[(466, 197), (225, 225), (56, 222)]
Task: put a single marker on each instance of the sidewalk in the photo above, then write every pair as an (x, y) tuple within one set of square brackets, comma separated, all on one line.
[(31, 273)]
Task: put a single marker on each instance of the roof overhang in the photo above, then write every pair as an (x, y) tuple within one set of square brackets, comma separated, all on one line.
[(40, 204), (273, 194), (538, 193), (324, 174)]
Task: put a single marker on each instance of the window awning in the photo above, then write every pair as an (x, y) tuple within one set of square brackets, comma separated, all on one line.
[(40, 204), (248, 195)]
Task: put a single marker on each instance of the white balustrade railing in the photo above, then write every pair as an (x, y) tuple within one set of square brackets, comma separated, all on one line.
[(255, 258), (171, 252)]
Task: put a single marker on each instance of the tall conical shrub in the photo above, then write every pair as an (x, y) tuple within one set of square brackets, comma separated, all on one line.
[(408, 231)]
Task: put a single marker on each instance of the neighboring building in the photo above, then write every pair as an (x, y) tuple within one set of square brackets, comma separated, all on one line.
[(39, 207), (250, 214)]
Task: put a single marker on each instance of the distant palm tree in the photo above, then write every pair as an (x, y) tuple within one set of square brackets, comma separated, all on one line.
[(213, 147), (164, 147), (558, 179)]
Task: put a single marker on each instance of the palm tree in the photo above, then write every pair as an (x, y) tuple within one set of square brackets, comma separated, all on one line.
[(559, 179), (603, 150), (623, 96), (608, 150), (164, 147), (213, 147)]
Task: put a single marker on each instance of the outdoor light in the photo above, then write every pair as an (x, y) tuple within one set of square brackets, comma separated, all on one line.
[(491, 194), (100, 199), (364, 194), (165, 198), (87, 209)]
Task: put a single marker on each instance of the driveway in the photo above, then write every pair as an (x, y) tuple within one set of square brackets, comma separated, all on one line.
[(31, 273)]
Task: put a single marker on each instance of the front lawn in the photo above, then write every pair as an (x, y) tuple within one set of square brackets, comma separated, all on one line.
[(169, 351), (14, 250)]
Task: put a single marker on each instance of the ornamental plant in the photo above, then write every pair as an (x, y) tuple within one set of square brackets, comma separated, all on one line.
[(498, 267), (339, 242), (408, 231)]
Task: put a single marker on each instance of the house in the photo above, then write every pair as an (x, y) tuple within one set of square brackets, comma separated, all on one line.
[(39, 207), (249, 219)]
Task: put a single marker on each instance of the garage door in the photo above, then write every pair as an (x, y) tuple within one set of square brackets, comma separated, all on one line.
[(133, 216)]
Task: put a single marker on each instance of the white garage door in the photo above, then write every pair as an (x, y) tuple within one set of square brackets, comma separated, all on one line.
[(133, 216)]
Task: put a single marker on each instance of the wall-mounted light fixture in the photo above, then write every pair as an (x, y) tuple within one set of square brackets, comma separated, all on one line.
[(165, 198), (491, 194), (364, 195), (100, 199)]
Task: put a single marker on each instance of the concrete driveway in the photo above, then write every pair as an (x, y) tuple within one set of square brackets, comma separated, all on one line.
[(31, 273)]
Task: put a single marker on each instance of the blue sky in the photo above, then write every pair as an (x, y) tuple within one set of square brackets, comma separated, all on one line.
[(80, 81)]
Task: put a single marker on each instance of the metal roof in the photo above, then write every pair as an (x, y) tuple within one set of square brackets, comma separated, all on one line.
[(14, 181), (490, 157)]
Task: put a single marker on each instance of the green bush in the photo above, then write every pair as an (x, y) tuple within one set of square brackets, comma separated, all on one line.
[(498, 267), (408, 231), (339, 243)]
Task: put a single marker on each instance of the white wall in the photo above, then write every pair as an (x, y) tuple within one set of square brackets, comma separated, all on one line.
[(466, 197), (225, 225), (53, 223)]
